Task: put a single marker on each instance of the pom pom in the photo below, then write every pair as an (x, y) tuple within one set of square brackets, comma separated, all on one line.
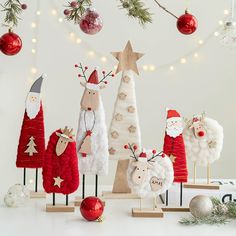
[(79, 75), (23, 6), (85, 67), (112, 75), (154, 151), (76, 65), (135, 147), (74, 4), (126, 146), (201, 133), (162, 155), (105, 82), (104, 72), (66, 12)]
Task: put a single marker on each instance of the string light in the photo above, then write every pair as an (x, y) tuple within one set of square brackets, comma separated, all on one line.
[(220, 22), (226, 12), (60, 20), (103, 59), (33, 25), (72, 34), (216, 33), (183, 60), (34, 40), (38, 13), (33, 70), (54, 12), (145, 67), (33, 51), (172, 68), (78, 40), (91, 53), (200, 41), (152, 67), (195, 55)]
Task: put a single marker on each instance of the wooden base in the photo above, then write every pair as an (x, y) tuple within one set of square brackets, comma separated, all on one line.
[(111, 195), (154, 213), (78, 201), (175, 209), (202, 186), (60, 208), (39, 194)]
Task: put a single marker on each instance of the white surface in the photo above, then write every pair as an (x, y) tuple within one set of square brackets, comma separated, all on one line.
[(203, 84), (33, 220)]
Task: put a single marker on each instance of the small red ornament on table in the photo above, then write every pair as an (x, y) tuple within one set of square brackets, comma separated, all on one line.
[(91, 208), (187, 23)]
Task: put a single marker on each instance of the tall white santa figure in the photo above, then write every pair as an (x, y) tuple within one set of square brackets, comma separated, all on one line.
[(92, 141)]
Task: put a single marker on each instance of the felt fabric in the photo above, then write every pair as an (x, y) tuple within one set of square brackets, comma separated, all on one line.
[(31, 128), (175, 146), (204, 150), (64, 166), (96, 162)]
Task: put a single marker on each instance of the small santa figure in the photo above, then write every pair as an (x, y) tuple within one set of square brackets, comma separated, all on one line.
[(92, 140), (174, 147), (31, 148)]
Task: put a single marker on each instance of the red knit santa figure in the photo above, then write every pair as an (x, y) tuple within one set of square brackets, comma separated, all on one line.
[(60, 169), (174, 145), (31, 148)]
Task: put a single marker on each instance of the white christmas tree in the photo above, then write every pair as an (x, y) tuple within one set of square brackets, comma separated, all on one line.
[(125, 125), (31, 147)]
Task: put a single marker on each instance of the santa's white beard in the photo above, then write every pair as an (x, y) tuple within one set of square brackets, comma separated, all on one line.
[(174, 131), (33, 105)]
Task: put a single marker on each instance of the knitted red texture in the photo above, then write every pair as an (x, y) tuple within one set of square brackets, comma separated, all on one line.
[(31, 127), (176, 147), (64, 166)]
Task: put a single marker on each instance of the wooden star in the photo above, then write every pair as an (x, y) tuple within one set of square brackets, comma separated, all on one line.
[(112, 151), (172, 158), (132, 129), (127, 59), (57, 181)]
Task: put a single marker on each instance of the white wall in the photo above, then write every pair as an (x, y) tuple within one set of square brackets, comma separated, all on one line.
[(204, 84)]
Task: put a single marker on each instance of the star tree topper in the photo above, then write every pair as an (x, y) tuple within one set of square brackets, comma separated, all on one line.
[(127, 59)]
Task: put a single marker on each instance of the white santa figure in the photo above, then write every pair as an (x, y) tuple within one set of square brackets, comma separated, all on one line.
[(149, 174), (92, 140), (203, 139)]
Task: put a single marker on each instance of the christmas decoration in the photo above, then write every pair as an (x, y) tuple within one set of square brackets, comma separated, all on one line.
[(31, 146), (203, 141), (92, 143), (174, 147), (221, 214), (10, 43), (187, 23), (60, 169), (136, 9), (228, 34), (149, 175), (91, 209), (124, 126), (201, 206), (90, 22), (17, 195)]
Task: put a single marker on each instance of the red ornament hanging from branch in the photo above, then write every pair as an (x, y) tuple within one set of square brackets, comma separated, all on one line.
[(11, 43)]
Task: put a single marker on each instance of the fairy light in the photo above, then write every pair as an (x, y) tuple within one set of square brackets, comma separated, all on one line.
[(183, 60), (78, 40), (38, 13), (60, 20), (33, 70), (54, 12), (226, 12), (220, 22), (145, 67), (200, 41), (216, 33), (103, 59), (33, 51), (34, 40), (172, 68), (195, 55), (152, 68), (72, 34), (33, 25)]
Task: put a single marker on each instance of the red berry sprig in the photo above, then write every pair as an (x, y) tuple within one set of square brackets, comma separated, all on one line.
[(83, 70), (105, 76)]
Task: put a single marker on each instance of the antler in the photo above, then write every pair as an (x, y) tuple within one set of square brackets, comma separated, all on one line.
[(83, 69), (110, 74), (154, 155), (132, 149)]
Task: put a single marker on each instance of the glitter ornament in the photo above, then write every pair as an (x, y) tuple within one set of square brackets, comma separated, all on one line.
[(91, 22)]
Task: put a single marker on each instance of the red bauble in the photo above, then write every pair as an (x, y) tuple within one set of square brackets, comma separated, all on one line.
[(187, 23), (10, 44), (91, 208), (91, 22)]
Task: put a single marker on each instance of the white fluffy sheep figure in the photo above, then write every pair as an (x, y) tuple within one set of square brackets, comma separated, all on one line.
[(149, 174), (203, 139)]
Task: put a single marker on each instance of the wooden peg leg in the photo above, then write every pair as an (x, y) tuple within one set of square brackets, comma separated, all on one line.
[(167, 197), (67, 200), (36, 180), (181, 194), (24, 176), (53, 199), (83, 187), (96, 185)]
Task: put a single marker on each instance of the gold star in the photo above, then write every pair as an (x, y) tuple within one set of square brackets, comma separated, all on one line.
[(118, 117), (112, 151), (127, 59), (172, 158), (131, 109), (57, 181), (132, 129)]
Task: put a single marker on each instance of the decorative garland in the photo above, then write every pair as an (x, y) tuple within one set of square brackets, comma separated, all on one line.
[(221, 214)]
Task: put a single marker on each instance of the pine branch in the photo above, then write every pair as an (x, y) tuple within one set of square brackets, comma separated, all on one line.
[(212, 220), (137, 10), (12, 8), (75, 13)]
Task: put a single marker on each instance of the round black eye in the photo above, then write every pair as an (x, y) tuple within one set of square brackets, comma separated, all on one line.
[(61, 141), (137, 168), (143, 170), (89, 92), (93, 93)]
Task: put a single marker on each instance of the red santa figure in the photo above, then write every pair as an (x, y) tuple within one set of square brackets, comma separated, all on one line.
[(60, 169), (31, 148), (174, 147)]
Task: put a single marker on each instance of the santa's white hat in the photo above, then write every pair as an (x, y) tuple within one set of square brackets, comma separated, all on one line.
[(93, 82)]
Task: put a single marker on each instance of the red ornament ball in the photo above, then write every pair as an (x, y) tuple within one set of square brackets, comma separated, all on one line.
[(10, 44), (187, 24), (91, 208), (74, 4), (23, 6), (91, 22)]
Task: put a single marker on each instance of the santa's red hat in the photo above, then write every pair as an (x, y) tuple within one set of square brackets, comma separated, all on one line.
[(93, 82), (172, 113), (143, 156)]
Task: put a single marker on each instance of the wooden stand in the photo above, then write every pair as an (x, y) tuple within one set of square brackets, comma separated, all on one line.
[(39, 194), (202, 186), (120, 189), (155, 213), (60, 208)]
